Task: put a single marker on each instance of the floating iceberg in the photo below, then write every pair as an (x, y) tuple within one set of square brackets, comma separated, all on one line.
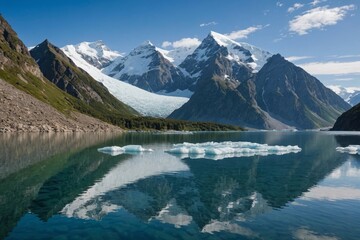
[(216, 151), (351, 149), (115, 150)]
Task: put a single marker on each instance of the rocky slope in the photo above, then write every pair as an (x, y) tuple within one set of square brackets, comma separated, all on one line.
[(224, 93), (291, 95), (19, 69), (61, 70), (349, 120), (240, 84), (21, 112)]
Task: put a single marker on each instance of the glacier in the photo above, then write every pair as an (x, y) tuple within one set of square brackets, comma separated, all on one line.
[(146, 103), (218, 151)]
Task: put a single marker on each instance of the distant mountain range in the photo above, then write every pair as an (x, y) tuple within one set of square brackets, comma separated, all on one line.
[(148, 68), (221, 81), (47, 91), (63, 72), (233, 83), (350, 94)]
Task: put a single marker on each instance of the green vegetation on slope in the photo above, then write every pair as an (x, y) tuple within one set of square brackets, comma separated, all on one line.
[(18, 68), (60, 70)]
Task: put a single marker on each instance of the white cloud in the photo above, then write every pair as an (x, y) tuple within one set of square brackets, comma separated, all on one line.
[(297, 58), (349, 56), (240, 34), (318, 18), (332, 68), (316, 2), (344, 79), (279, 4), (184, 42), (166, 44), (208, 24), (296, 6)]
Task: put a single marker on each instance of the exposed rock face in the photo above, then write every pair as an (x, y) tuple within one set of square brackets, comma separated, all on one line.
[(348, 121), (14, 53), (293, 96), (56, 110), (230, 89), (220, 97), (20, 112), (61, 70), (146, 68)]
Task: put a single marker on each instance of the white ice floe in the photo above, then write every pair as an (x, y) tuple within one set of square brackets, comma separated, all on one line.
[(216, 151), (351, 149), (115, 150)]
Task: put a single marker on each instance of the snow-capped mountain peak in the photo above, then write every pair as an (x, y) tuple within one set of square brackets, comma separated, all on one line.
[(97, 53), (146, 103), (137, 62), (149, 68), (350, 94), (146, 43), (221, 39), (241, 52)]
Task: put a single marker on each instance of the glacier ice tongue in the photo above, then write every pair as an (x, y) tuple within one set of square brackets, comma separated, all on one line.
[(351, 149), (146, 103), (221, 150), (116, 150)]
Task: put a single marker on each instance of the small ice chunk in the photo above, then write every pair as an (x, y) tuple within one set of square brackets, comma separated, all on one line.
[(136, 148), (221, 150), (351, 149), (116, 150)]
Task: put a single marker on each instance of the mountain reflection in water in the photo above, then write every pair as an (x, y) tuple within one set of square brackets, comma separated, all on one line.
[(237, 196)]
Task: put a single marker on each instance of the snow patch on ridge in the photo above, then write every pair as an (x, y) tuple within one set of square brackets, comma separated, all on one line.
[(217, 151), (177, 55), (256, 60)]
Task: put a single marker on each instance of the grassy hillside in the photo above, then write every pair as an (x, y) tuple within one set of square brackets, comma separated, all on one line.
[(18, 68)]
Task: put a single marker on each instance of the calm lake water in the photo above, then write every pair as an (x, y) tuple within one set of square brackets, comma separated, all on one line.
[(61, 187)]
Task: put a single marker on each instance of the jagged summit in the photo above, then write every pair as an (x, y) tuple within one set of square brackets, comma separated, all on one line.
[(221, 39), (148, 67), (238, 83), (97, 53), (146, 44)]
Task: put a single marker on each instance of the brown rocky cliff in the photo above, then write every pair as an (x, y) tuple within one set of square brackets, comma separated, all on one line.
[(20, 112)]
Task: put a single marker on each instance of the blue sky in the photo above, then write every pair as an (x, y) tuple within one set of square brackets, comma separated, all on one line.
[(323, 36)]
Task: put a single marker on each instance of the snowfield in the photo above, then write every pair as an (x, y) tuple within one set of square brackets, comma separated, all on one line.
[(146, 103)]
